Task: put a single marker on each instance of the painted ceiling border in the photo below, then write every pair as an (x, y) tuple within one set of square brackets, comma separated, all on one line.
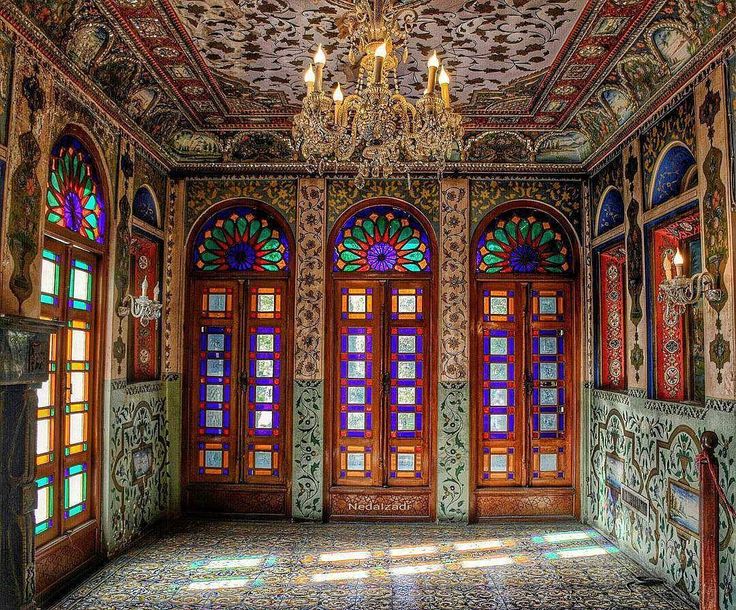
[(30, 36), (701, 65)]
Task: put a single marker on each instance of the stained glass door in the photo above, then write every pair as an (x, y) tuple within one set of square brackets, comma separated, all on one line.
[(238, 414), (525, 394), (67, 402), (380, 386)]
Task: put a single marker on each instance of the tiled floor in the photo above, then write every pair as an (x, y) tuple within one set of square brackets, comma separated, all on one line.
[(270, 566)]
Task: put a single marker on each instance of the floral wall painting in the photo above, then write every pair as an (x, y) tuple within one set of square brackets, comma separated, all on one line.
[(620, 104), (673, 175), (641, 72), (6, 72), (565, 147), (673, 45)]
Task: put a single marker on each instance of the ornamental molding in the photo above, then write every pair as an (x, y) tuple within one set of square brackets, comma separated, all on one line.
[(701, 65), (35, 41)]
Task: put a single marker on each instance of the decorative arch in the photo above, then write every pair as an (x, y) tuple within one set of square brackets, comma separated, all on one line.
[(381, 410), (75, 200), (524, 355), (672, 173), (242, 236), (239, 335), (521, 238), (145, 207), (383, 238), (610, 211)]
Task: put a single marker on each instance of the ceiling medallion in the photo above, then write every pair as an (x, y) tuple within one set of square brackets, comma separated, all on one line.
[(376, 127)]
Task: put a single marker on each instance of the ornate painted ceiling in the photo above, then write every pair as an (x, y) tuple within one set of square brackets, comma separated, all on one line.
[(547, 81)]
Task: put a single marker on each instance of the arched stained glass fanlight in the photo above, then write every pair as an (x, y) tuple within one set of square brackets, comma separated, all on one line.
[(241, 239), (523, 241), (74, 198), (382, 239)]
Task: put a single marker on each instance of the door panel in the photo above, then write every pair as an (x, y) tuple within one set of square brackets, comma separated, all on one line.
[(551, 359), (525, 395), (66, 470), (358, 394), (215, 420), (502, 460), (239, 397), (381, 423)]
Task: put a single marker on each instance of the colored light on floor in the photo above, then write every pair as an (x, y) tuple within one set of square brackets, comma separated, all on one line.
[(489, 562), (335, 576), (411, 570), (344, 556), (585, 551), (413, 550), (479, 545), (243, 562), (561, 537), (221, 583)]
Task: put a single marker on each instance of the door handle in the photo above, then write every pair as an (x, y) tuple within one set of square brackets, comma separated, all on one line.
[(243, 379), (528, 383), (386, 380)]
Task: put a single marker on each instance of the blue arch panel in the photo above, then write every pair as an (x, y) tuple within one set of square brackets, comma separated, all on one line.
[(611, 214), (144, 207), (669, 180)]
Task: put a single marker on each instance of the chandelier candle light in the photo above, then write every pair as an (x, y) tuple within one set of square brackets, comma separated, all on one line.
[(375, 126)]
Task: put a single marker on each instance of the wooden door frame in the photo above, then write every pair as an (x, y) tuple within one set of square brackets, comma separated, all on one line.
[(390, 494), (189, 352), (574, 278), (90, 531)]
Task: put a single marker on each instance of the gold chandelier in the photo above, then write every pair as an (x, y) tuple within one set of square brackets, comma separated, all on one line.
[(376, 127)]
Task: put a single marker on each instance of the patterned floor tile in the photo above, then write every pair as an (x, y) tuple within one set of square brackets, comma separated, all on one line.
[(222, 565)]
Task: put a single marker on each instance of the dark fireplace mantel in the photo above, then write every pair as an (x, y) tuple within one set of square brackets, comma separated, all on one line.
[(24, 352)]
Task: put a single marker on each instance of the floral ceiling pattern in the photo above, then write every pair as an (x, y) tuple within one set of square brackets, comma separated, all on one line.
[(536, 80)]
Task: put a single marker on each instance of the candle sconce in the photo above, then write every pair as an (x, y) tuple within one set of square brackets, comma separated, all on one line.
[(142, 308), (682, 291)]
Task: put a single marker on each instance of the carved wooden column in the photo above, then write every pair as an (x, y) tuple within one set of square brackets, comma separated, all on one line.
[(24, 350)]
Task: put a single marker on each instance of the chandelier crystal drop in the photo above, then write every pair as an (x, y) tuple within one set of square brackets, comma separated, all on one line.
[(376, 127)]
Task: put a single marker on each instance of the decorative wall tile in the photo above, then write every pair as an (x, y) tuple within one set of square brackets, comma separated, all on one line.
[(454, 297), (139, 483), (308, 443), (280, 193), (563, 195), (310, 279), (453, 451), (644, 483), (420, 192), (27, 160)]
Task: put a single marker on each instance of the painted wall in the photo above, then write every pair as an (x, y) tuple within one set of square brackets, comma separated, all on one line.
[(134, 417), (643, 485)]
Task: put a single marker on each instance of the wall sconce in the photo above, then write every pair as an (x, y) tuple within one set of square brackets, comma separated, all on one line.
[(681, 291), (142, 308)]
